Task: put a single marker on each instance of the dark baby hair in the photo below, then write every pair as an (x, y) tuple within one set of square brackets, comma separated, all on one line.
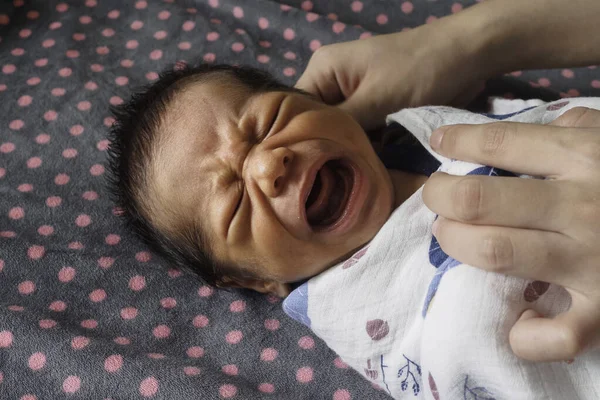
[(132, 140)]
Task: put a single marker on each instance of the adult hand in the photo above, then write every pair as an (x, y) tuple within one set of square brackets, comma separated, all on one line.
[(374, 77), (545, 230)]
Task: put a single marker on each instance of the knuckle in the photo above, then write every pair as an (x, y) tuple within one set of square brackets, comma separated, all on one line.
[(324, 52), (497, 252), (468, 197), (571, 341), (496, 138)]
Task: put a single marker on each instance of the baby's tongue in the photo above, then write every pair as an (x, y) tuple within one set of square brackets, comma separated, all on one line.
[(318, 209)]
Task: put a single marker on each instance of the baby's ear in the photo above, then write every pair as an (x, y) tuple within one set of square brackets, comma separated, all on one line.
[(263, 286)]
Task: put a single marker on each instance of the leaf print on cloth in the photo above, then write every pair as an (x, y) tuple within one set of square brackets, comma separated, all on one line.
[(377, 329), (442, 261), (535, 290), (506, 116), (476, 393), (557, 106), (354, 259), (409, 376), (296, 304)]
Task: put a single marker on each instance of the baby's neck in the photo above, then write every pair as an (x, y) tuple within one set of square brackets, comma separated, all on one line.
[(405, 184)]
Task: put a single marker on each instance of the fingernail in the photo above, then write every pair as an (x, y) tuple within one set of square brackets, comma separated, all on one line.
[(435, 141), (435, 225)]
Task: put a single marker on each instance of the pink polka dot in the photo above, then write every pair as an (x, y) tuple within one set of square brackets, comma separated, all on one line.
[(191, 371), (156, 54), (268, 354), (544, 82), (34, 162), (188, 26), (143, 256), (7, 147), (131, 44), (213, 3), (174, 273), (97, 170), (161, 331), (231, 370), (89, 324), (2, 172), (112, 239), (113, 363), (45, 230), (65, 72), (76, 130), (17, 52), (200, 321), (16, 213), (164, 15), (212, 36), (84, 105), (285, 7), (289, 34), (306, 5), (36, 252), (272, 324), (58, 306), (62, 179), (25, 33), (195, 352), (263, 58), (184, 45), (306, 342), (149, 387), (135, 25), (407, 7), (382, 19), (50, 115), (47, 323), (141, 4), (91, 3), (2, 87), (137, 283), (341, 394), (312, 17), (98, 295), (314, 45), (37, 361), (151, 76), (205, 291), (430, 19), (340, 364), (25, 187), (108, 32), (290, 55), (79, 342), (234, 337), (160, 35), (129, 313), (24, 101), (5, 234), (72, 384), (75, 245), (227, 391), (356, 6), (4, 20), (105, 262), (69, 153), (6, 339), (26, 287), (238, 12), (66, 274), (156, 356), (595, 84), (16, 124), (123, 341), (237, 306), (58, 92), (266, 388), (332, 16), (263, 23), (33, 14), (114, 14), (338, 27), (78, 37), (168, 302), (28, 397), (456, 7), (62, 7), (48, 43), (125, 63), (304, 374), (102, 50), (42, 138), (289, 71), (264, 43)]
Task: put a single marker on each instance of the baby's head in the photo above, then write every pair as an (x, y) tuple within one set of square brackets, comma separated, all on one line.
[(245, 181)]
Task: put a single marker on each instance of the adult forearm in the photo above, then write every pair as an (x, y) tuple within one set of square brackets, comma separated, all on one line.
[(509, 35)]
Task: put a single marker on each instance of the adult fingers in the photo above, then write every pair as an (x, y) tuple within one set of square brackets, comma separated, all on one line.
[(321, 81), (562, 338), (506, 201), (524, 253), (532, 149)]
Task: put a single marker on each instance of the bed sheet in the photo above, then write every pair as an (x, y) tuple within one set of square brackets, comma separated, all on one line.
[(86, 312)]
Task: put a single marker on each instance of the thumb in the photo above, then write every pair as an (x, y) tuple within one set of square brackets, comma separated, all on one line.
[(322, 84), (562, 338)]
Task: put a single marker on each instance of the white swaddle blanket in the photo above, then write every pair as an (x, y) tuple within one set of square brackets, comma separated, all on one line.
[(418, 323)]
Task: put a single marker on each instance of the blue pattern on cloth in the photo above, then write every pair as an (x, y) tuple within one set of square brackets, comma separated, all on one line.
[(438, 258), (296, 304)]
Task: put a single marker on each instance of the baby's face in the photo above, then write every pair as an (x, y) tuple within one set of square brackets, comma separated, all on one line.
[(280, 183)]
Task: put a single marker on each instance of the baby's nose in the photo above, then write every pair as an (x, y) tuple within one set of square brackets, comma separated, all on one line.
[(270, 169)]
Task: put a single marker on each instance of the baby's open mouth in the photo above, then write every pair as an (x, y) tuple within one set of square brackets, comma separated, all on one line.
[(329, 195)]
